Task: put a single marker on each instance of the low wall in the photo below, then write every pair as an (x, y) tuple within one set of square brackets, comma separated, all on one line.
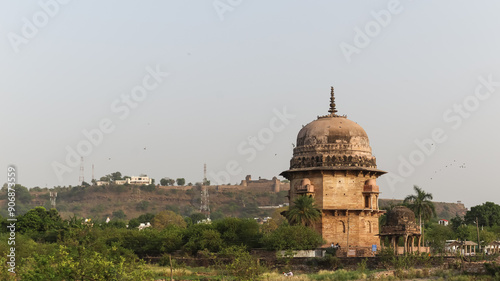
[(306, 253)]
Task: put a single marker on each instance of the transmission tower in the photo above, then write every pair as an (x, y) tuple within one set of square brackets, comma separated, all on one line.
[(205, 180), (205, 208), (53, 196), (81, 179)]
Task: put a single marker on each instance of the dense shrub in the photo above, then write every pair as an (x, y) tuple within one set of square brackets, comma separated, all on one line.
[(39, 220), (241, 264), (293, 237), (236, 232), (85, 265), (147, 242)]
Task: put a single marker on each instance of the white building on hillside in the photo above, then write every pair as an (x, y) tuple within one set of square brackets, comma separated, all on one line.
[(135, 180), (132, 180), (443, 222)]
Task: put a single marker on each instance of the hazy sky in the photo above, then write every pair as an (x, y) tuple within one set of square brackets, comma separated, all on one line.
[(90, 77)]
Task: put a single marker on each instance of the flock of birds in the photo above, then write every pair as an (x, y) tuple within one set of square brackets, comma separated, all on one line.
[(451, 165)]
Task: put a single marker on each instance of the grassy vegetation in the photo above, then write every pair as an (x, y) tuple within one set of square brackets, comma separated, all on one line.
[(204, 273)]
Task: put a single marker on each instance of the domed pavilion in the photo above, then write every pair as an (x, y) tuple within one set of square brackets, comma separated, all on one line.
[(400, 222), (333, 163)]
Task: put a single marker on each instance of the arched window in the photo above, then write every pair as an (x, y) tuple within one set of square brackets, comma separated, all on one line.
[(341, 227), (368, 226)]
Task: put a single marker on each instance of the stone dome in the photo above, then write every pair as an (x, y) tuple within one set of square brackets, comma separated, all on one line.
[(343, 133), (332, 141), (400, 215)]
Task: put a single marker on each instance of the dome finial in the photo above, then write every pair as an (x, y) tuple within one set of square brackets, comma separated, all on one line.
[(333, 109)]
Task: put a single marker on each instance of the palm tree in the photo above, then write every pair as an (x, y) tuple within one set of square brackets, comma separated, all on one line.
[(421, 205), (303, 211)]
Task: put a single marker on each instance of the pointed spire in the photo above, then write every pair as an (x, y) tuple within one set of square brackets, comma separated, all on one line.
[(333, 109)]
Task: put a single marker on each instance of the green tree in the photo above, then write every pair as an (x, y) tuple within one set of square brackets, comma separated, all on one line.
[(147, 242), (242, 264), (421, 204), (487, 237), (275, 221), (466, 233), (303, 211), (438, 234), (456, 222), (193, 234), (197, 217), (181, 181), (114, 224), (133, 223), (488, 214), (210, 240), (22, 193), (292, 237), (166, 218), (217, 215), (119, 214), (105, 178), (167, 181), (235, 231), (148, 217), (163, 182), (39, 220), (143, 205), (115, 176)]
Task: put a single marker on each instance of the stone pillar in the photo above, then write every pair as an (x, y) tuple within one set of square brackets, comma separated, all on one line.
[(396, 244), (409, 245), (393, 244), (419, 237), (412, 244), (406, 244)]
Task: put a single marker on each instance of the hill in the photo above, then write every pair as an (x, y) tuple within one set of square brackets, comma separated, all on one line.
[(443, 210), (100, 202), (130, 201)]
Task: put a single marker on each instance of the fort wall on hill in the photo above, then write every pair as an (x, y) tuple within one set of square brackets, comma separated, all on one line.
[(260, 185)]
